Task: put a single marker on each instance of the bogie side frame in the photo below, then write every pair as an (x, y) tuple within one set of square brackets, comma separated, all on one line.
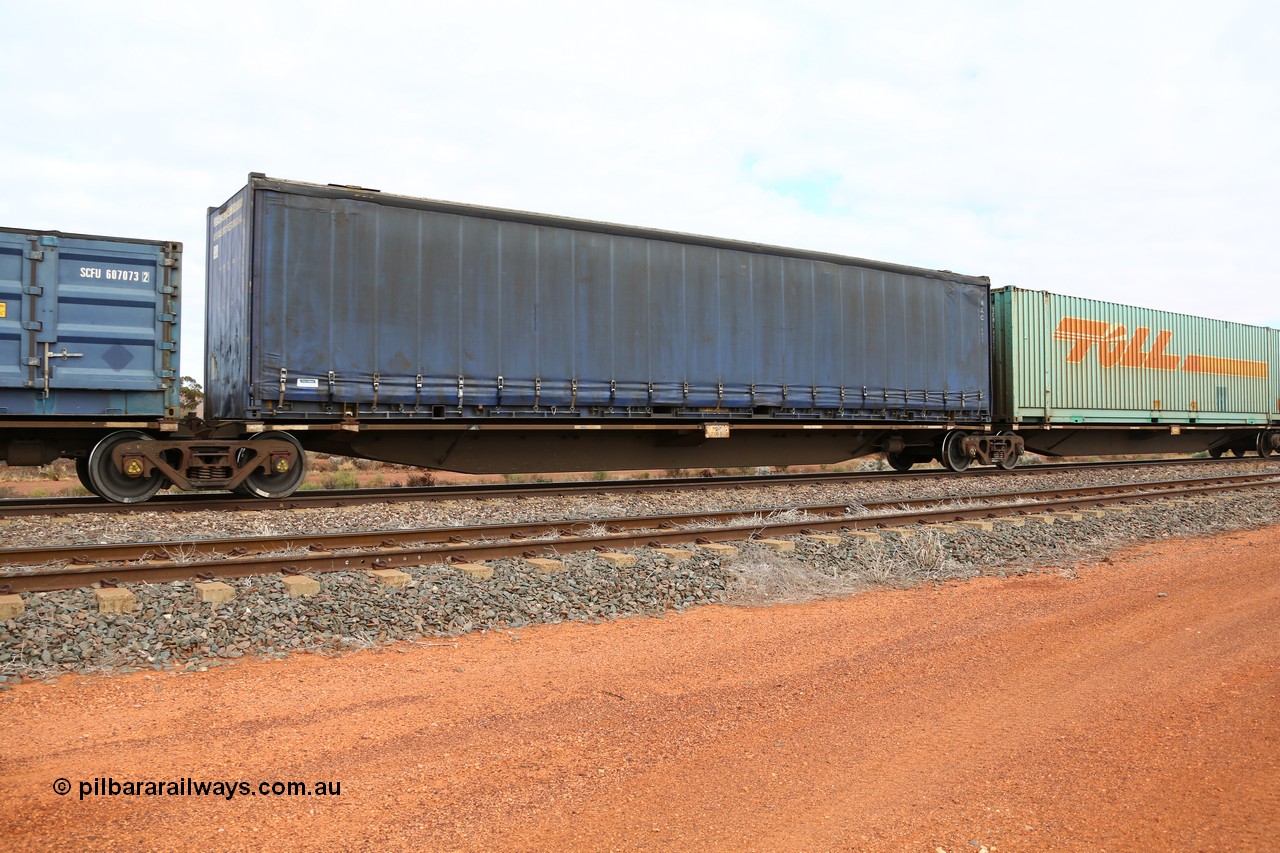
[(129, 461)]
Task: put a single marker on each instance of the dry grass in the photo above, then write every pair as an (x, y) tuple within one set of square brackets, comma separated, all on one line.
[(762, 576), (919, 558), (757, 519), (181, 553)]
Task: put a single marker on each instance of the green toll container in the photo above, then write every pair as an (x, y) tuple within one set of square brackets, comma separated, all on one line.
[(1068, 360)]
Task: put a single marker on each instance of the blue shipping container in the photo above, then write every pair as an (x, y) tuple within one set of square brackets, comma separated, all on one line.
[(88, 325), (330, 302)]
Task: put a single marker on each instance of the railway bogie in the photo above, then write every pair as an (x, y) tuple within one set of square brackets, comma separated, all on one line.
[(129, 463), (128, 466)]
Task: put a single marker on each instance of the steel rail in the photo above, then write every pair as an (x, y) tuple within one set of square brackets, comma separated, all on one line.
[(205, 501), (84, 554), (415, 554)]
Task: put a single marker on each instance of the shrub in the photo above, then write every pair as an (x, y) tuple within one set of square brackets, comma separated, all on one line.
[(59, 469), (342, 480)]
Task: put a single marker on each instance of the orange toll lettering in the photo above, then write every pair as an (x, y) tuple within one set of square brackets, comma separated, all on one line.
[(1157, 359), (1115, 348), (1112, 349), (1133, 354), (1083, 334)]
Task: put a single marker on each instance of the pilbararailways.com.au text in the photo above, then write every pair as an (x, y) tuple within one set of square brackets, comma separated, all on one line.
[(106, 786)]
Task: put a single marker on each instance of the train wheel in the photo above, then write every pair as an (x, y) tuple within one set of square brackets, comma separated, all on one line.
[(1216, 452), (276, 484), (1238, 451), (82, 471), (109, 482), (952, 456), (1264, 444), (900, 462), (1011, 460)]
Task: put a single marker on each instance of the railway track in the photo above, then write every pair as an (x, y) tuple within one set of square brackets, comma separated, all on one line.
[(205, 501), (85, 565)]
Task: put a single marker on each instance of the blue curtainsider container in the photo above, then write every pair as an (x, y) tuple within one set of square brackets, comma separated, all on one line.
[(330, 302), (88, 325)]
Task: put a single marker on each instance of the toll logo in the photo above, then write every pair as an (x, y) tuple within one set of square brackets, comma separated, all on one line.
[(1114, 346)]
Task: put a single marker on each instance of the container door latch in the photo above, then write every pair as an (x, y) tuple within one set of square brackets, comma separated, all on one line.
[(48, 369)]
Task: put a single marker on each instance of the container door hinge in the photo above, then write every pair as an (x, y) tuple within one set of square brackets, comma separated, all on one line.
[(32, 325), (167, 346), (168, 318), (34, 255), (168, 261), (33, 290)]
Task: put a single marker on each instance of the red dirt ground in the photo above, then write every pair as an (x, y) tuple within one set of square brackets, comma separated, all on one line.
[(1035, 713)]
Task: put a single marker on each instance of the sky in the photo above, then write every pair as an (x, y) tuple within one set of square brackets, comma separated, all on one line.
[(1118, 150)]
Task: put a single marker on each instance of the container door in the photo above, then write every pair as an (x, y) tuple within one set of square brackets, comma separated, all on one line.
[(15, 269), (102, 320)]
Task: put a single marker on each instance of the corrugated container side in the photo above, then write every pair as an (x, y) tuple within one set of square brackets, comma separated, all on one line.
[(228, 334), (1065, 359), (1274, 362), (382, 306), (88, 325)]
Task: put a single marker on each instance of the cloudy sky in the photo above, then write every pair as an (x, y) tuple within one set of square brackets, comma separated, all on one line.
[(1119, 150)]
